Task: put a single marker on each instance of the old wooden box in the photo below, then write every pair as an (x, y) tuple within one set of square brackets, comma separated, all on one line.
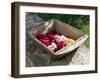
[(62, 28)]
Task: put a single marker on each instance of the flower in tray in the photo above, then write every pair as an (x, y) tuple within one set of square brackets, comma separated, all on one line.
[(60, 38), (45, 41), (69, 41), (54, 41), (53, 46), (60, 44), (51, 35), (63, 38), (40, 36), (43, 38)]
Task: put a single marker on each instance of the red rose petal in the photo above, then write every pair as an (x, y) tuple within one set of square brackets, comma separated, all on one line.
[(40, 36), (43, 38), (60, 45), (46, 42), (51, 35)]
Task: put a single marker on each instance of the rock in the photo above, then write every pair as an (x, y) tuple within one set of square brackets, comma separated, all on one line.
[(32, 20), (40, 58), (30, 45), (81, 56)]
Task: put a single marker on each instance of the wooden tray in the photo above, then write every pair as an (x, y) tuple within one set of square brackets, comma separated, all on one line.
[(61, 28)]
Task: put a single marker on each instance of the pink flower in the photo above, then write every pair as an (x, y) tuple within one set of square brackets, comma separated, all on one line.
[(53, 46), (58, 38), (63, 38)]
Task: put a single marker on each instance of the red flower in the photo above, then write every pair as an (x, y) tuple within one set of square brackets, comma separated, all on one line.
[(40, 36), (60, 44), (51, 35), (52, 40), (44, 39)]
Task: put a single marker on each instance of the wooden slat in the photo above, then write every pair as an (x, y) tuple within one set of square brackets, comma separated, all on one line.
[(68, 30)]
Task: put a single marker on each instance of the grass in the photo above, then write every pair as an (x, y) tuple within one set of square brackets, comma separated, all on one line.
[(80, 22)]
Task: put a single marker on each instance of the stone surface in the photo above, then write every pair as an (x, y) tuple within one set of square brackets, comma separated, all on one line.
[(35, 56), (33, 20), (81, 56)]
